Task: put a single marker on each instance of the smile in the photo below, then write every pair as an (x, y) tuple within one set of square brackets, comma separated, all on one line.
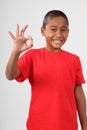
[(57, 41)]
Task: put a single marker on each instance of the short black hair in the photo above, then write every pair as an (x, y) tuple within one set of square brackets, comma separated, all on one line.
[(54, 13)]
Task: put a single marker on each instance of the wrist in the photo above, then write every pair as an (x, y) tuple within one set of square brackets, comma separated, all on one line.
[(15, 52)]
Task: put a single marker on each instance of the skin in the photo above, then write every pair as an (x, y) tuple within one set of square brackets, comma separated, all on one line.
[(55, 33), (81, 106), (20, 45)]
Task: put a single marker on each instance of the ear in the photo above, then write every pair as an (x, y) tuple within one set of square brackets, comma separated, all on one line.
[(42, 31)]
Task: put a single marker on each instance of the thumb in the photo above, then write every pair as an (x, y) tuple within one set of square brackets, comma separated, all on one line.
[(30, 41), (29, 38)]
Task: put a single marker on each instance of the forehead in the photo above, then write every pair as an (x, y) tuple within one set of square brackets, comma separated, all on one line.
[(57, 21)]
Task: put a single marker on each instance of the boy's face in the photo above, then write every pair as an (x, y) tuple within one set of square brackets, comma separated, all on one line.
[(55, 33)]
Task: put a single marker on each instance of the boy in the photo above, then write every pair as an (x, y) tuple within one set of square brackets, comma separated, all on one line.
[(55, 76)]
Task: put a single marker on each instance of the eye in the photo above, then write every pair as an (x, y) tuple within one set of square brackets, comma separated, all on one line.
[(63, 30), (53, 29)]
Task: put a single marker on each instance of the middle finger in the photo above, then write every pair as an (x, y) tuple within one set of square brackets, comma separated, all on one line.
[(24, 29)]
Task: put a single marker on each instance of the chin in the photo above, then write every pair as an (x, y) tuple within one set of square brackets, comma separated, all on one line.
[(57, 47)]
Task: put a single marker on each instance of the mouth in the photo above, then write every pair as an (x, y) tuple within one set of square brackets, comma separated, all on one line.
[(57, 41)]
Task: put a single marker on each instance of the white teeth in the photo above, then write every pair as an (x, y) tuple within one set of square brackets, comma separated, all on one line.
[(57, 41)]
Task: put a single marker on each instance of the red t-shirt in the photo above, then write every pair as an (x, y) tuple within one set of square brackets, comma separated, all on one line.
[(53, 77)]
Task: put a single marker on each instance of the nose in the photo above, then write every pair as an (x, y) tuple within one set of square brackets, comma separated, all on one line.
[(58, 33)]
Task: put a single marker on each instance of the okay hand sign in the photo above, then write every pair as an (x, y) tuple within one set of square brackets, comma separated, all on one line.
[(20, 41)]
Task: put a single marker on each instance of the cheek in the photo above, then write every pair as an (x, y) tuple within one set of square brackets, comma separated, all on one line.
[(50, 35), (66, 35)]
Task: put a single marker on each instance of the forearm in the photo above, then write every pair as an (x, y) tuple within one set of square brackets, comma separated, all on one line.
[(81, 106), (11, 69), (20, 45)]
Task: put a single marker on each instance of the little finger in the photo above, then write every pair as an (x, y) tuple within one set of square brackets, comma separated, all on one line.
[(11, 35)]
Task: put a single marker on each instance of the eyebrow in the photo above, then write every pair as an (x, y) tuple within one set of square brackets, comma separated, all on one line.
[(61, 27)]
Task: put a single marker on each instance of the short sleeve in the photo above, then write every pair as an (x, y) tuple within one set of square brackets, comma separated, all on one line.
[(79, 72), (25, 66)]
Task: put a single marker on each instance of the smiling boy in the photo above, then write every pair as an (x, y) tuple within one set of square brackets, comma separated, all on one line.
[(55, 76)]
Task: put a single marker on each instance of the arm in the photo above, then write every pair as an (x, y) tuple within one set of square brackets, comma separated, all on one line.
[(81, 106), (11, 69), (20, 45)]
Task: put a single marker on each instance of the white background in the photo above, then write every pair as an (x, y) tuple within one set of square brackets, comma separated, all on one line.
[(14, 96)]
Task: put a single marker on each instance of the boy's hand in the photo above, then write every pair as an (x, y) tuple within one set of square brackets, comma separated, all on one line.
[(20, 42)]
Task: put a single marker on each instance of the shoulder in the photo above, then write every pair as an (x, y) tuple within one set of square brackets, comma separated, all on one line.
[(74, 58), (32, 51), (71, 55), (31, 54)]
